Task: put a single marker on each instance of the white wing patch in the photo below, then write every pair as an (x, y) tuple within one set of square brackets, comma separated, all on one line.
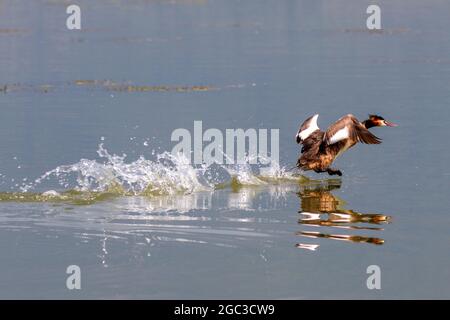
[(312, 126), (339, 135)]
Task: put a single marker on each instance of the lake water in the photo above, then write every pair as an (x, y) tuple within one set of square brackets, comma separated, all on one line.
[(85, 116)]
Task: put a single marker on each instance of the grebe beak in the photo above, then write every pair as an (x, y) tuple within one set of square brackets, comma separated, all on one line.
[(390, 124)]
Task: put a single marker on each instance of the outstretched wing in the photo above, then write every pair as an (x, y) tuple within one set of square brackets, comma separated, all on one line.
[(307, 128), (348, 127), (314, 140)]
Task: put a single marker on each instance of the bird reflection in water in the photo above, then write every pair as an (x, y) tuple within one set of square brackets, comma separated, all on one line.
[(321, 208)]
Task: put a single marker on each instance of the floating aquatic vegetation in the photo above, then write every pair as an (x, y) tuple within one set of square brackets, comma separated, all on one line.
[(378, 31), (131, 88), (107, 85), (11, 31), (127, 87)]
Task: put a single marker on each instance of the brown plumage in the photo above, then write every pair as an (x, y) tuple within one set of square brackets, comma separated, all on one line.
[(321, 148)]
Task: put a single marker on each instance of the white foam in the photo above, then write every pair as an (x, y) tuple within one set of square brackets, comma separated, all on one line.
[(166, 174)]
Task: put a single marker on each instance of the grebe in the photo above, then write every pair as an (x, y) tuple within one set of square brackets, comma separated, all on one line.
[(321, 148)]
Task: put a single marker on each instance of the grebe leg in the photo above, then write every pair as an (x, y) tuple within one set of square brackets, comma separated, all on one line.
[(332, 172)]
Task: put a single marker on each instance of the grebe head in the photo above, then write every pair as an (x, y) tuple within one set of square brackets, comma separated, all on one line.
[(378, 121)]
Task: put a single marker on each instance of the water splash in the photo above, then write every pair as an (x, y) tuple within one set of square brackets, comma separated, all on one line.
[(88, 181)]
